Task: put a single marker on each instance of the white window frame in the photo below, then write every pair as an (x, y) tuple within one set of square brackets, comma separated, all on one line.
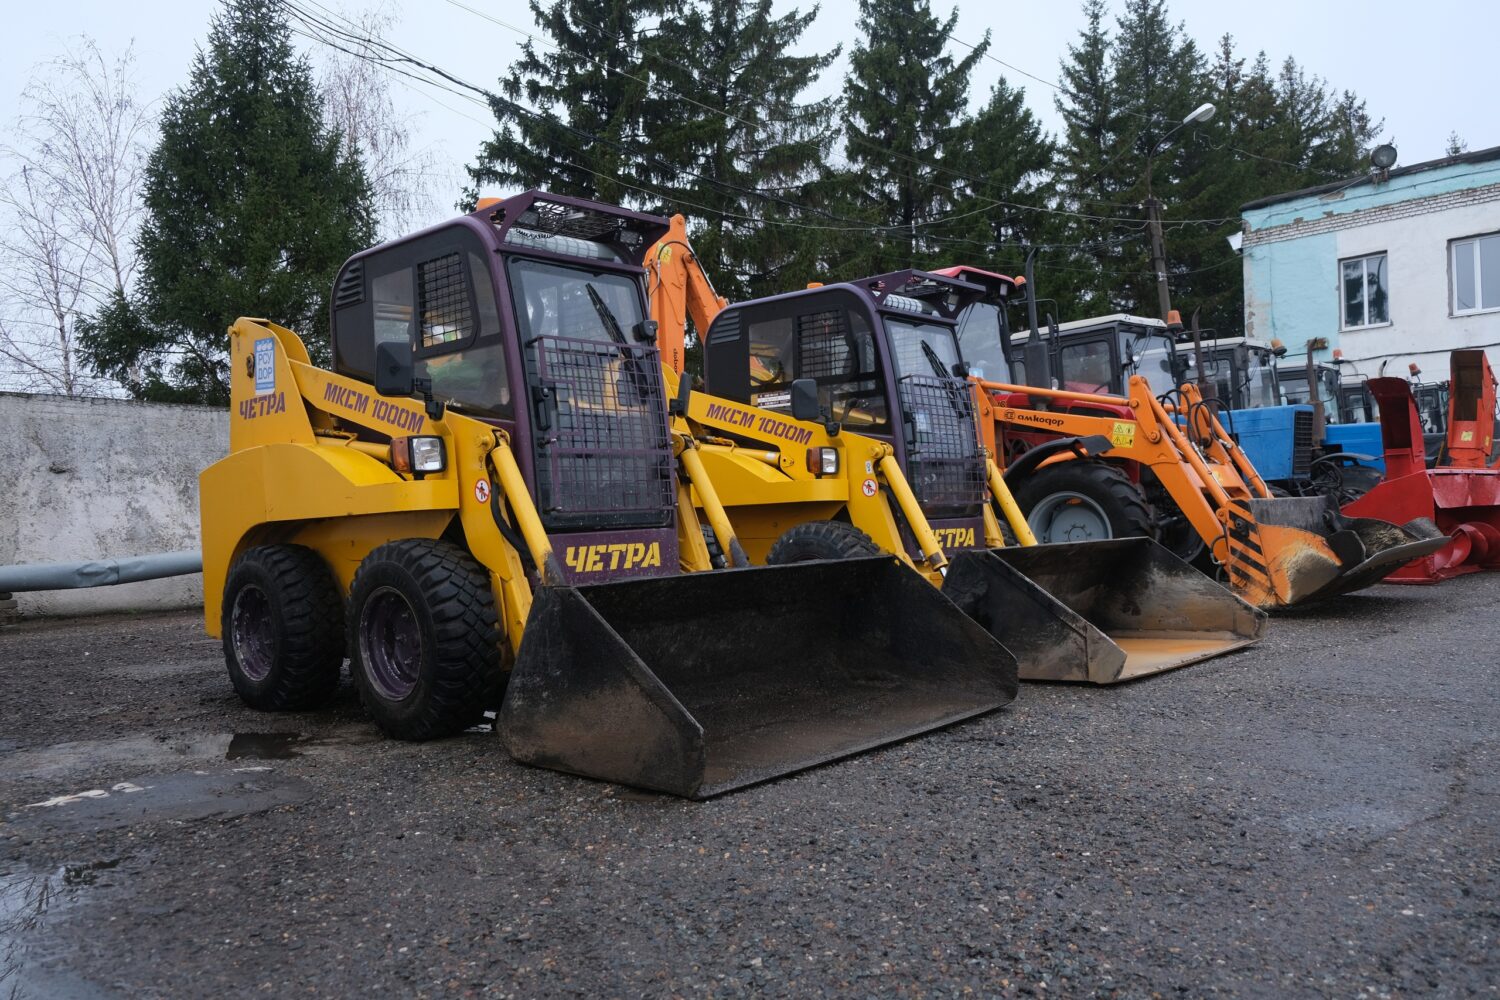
[(1362, 259), (1453, 246)]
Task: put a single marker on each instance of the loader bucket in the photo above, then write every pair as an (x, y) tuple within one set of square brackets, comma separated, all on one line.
[(699, 684), (1312, 552), (1101, 612)]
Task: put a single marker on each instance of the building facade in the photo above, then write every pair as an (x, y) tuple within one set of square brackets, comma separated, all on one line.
[(1391, 270)]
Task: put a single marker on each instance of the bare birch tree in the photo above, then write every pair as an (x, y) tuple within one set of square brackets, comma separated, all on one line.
[(357, 101), (68, 212)]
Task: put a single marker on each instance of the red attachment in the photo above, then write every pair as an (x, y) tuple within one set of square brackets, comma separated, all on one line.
[(1464, 503), (1471, 411)]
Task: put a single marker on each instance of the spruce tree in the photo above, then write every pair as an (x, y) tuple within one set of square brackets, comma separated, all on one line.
[(569, 112), (1089, 171), (251, 206), (906, 125), (1007, 161), (733, 140)]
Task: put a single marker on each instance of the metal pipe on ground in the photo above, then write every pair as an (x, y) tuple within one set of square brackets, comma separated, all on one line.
[(98, 573)]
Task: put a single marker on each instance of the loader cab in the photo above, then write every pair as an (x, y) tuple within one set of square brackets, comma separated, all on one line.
[(884, 355), (529, 314)]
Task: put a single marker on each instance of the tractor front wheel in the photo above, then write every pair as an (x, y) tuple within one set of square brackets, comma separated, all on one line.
[(423, 640), (1083, 501)]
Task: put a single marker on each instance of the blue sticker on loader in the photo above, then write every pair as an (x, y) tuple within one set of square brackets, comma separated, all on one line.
[(265, 366)]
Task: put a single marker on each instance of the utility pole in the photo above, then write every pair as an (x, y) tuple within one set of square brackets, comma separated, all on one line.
[(1158, 249), (1200, 114)]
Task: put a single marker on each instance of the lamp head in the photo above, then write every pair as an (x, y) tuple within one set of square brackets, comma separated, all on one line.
[(1201, 114)]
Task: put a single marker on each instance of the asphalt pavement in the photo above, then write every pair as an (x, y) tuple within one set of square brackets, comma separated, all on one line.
[(1315, 816)]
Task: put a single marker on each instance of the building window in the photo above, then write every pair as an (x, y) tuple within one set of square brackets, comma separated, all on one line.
[(1476, 274), (1366, 291)]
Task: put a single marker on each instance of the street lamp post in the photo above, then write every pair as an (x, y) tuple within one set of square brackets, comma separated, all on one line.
[(1200, 114)]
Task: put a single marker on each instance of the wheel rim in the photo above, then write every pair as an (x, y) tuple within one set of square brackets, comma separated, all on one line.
[(252, 632), (1068, 517), (390, 644), (1181, 539)]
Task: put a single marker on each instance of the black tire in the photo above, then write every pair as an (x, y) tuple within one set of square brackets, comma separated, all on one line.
[(424, 643), (283, 626), (1103, 489), (715, 551), (821, 540)]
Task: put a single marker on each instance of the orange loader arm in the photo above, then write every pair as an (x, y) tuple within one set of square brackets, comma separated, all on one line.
[(679, 290), (1208, 477)]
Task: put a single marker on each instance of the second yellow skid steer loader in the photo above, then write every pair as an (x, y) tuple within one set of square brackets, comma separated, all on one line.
[(484, 495), (825, 402)]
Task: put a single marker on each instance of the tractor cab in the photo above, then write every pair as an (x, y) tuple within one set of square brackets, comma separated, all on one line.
[(1356, 403), (1294, 388), (882, 354), (1100, 355), (1242, 371)]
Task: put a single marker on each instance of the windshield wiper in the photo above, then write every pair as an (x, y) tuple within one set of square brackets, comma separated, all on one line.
[(938, 368), (611, 325)]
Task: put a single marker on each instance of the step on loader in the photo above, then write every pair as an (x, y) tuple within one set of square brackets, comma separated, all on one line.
[(1462, 495), (1276, 552), (483, 505), (837, 425)]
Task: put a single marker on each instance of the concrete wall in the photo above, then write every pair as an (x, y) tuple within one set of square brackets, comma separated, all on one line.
[(85, 479), (1292, 251)]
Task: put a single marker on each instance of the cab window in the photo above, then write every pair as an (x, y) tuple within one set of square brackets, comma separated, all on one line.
[(554, 300), (982, 335), (440, 298), (832, 346), (1087, 367), (922, 348)]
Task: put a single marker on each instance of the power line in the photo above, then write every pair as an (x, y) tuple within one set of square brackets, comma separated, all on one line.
[(754, 127), (369, 50)]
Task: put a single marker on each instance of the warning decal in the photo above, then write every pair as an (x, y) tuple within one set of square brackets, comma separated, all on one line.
[(1123, 434), (869, 487), (482, 490)]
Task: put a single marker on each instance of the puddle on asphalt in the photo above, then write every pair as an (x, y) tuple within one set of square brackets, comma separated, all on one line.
[(29, 900), (264, 746)]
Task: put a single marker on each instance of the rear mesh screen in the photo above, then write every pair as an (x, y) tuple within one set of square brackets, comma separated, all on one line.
[(444, 300), (944, 463), (824, 348), (603, 452)]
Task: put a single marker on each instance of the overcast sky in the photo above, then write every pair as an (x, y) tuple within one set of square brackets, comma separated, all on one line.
[(1422, 68)]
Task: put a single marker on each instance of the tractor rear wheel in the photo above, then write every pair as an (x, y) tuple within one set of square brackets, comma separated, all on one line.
[(423, 639), (283, 628), (821, 540), (1083, 501)]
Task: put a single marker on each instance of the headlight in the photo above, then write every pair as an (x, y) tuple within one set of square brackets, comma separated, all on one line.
[(823, 461), (418, 454)]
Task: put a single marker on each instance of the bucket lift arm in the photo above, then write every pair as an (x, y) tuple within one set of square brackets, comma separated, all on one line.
[(679, 290)]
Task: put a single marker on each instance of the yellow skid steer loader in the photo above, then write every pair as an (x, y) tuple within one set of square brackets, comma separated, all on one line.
[(824, 402), (485, 497)]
